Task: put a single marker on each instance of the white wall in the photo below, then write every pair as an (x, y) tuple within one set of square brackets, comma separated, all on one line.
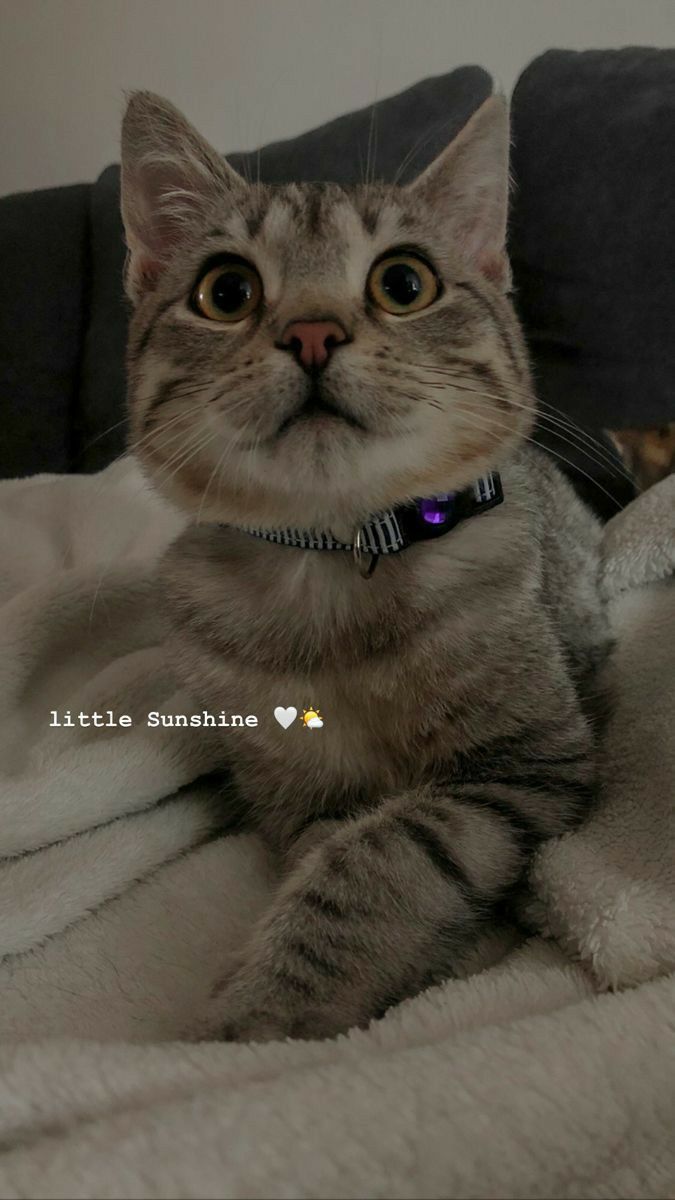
[(250, 71)]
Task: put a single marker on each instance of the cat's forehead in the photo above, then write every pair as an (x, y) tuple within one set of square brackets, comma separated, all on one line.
[(292, 222)]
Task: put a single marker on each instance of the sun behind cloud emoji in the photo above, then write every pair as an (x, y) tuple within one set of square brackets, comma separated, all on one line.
[(312, 718)]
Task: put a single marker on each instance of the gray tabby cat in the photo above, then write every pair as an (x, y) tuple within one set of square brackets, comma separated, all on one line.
[(305, 357)]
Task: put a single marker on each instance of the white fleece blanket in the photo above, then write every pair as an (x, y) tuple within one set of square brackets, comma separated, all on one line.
[(120, 905)]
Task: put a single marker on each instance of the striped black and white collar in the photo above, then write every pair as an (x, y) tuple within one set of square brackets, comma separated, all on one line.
[(397, 528)]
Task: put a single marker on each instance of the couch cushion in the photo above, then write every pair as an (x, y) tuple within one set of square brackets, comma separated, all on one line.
[(43, 251), (593, 231)]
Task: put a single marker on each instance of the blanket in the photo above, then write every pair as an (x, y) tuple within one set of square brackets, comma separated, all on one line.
[(549, 1073)]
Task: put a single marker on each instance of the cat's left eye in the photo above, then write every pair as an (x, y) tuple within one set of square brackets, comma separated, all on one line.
[(402, 283), (229, 292)]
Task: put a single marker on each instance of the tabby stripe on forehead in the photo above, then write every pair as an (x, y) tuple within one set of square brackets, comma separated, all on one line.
[(313, 209), (254, 222), (370, 218)]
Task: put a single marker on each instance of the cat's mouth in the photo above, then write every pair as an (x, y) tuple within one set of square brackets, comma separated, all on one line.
[(316, 407)]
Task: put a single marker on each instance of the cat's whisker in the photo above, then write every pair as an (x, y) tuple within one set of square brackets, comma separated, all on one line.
[(559, 415), (587, 445), (595, 452), (166, 478), (217, 470), (232, 406), (178, 440), (250, 458), (211, 477), (494, 424), (130, 454), (154, 435), (125, 419), (105, 432), (156, 432), (418, 145), (556, 453), (185, 454), (132, 446), (593, 457)]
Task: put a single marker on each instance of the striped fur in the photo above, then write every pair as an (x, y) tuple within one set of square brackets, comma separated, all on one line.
[(456, 683)]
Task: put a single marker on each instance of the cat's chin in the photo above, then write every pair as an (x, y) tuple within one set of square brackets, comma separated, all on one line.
[(315, 437), (259, 503), (309, 485), (319, 418)]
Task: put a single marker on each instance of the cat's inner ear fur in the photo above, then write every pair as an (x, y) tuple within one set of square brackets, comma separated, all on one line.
[(171, 176), (467, 186)]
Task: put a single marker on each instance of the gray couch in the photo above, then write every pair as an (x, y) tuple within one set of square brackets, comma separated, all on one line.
[(592, 243)]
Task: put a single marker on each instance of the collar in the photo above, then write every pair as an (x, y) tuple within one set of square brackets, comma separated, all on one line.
[(397, 528)]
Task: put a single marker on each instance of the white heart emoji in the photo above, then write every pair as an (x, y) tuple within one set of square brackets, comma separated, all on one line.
[(285, 716)]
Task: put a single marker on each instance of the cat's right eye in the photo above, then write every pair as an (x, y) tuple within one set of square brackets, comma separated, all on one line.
[(228, 292), (402, 282)]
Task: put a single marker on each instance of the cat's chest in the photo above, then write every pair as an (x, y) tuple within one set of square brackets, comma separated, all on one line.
[(381, 670), (335, 732)]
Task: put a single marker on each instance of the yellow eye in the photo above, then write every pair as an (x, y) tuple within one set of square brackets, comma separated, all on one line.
[(402, 283), (228, 292)]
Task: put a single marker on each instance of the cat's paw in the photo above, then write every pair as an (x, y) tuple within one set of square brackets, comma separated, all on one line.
[(244, 1013), (253, 1008), (254, 1029)]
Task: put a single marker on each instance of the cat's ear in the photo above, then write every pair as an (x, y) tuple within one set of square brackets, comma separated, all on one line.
[(467, 186), (171, 176)]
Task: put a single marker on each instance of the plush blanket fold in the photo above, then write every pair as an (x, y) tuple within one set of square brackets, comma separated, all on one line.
[(551, 1073)]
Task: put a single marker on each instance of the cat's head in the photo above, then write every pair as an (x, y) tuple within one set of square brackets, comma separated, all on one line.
[(309, 354)]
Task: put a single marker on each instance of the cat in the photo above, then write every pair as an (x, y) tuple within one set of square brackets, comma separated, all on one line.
[(304, 357)]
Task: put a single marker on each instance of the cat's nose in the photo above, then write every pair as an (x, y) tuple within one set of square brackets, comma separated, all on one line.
[(312, 342)]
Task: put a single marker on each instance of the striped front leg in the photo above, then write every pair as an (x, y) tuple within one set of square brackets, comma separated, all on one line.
[(387, 900)]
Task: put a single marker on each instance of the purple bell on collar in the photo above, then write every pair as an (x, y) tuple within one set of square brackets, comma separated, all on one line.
[(437, 509)]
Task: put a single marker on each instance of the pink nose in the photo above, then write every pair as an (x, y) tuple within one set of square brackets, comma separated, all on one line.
[(313, 341)]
